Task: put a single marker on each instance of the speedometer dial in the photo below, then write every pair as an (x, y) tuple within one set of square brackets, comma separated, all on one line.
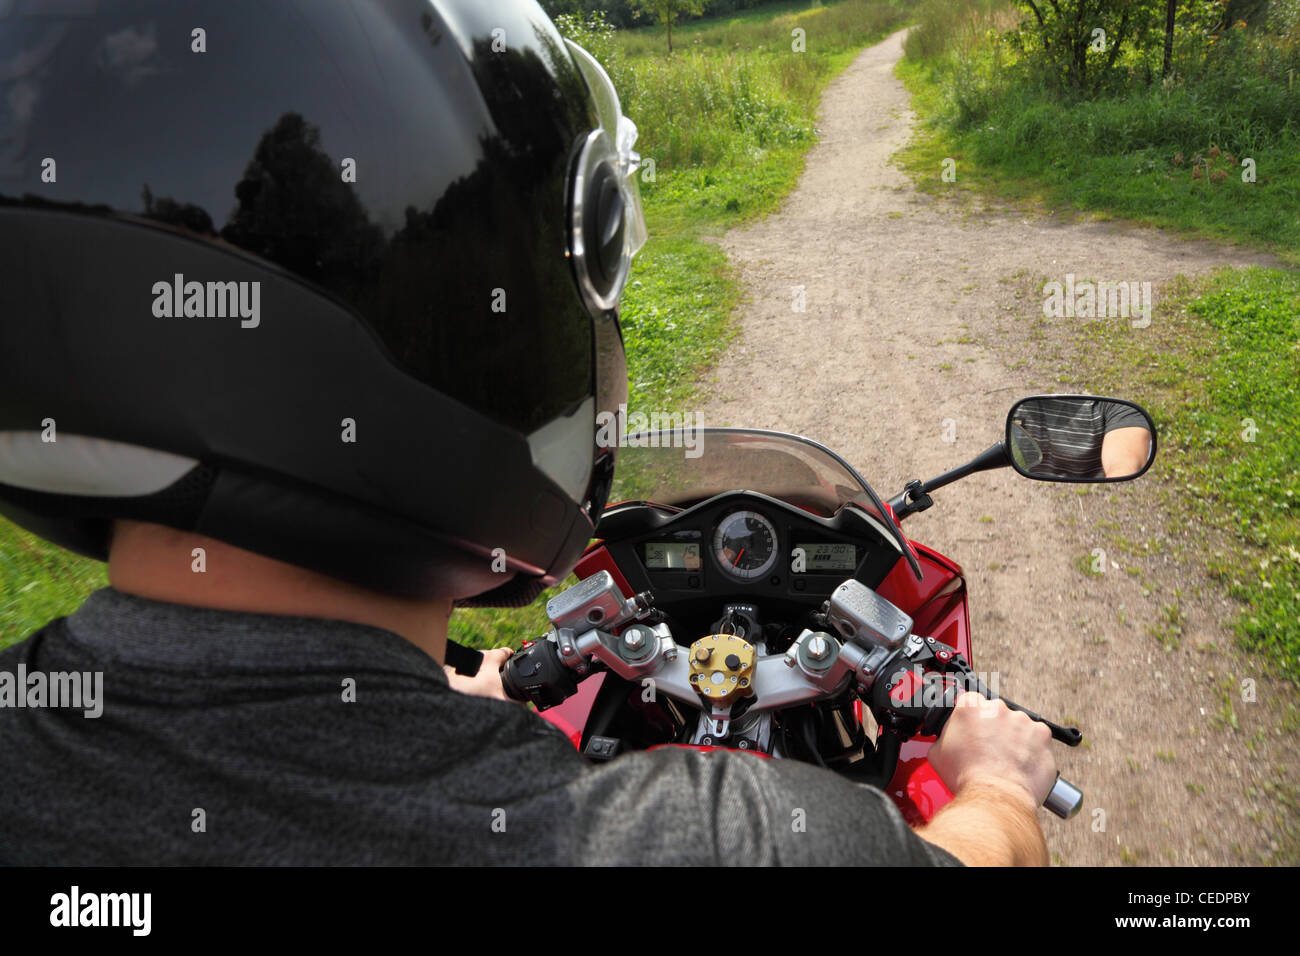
[(745, 545)]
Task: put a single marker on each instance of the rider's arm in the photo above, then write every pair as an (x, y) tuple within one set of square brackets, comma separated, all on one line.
[(999, 765), (988, 824), (675, 806), (1126, 445), (1124, 451)]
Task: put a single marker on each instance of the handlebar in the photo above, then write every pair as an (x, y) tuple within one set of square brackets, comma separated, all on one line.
[(892, 671), (904, 693)]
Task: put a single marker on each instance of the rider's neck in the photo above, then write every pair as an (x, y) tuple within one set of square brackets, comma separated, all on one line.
[(158, 563)]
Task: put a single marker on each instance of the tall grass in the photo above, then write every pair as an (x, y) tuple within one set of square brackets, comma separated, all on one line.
[(1148, 149), (956, 29), (737, 86)]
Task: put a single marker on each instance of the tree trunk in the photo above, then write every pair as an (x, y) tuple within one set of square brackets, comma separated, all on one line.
[(670, 34), (1079, 47), (1169, 38)]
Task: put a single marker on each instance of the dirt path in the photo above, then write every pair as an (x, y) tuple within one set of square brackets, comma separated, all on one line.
[(907, 325)]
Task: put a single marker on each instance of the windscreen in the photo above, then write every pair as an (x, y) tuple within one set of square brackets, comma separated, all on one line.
[(685, 466)]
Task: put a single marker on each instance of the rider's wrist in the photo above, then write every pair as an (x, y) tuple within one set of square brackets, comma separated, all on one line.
[(1000, 788)]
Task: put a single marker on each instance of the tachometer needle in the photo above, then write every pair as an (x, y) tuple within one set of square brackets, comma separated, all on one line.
[(736, 563)]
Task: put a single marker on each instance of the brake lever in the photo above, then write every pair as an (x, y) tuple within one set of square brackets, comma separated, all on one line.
[(948, 660), (1070, 736)]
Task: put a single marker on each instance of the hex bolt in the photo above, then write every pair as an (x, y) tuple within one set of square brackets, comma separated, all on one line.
[(817, 647), (633, 639)]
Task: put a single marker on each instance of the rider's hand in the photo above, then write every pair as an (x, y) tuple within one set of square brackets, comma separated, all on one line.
[(487, 682), (985, 742)]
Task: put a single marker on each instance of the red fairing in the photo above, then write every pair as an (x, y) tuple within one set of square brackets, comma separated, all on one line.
[(936, 603), (938, 607), (571, 715), (916, 789)]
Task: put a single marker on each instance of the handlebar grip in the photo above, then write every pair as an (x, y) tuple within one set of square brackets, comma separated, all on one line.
[(537, 674), (1065, 798)]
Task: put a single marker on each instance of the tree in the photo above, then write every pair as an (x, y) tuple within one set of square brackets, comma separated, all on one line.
[(1070, 30), (1169, 38), (667, 11)]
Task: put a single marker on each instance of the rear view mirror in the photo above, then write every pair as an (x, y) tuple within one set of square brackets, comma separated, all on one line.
[(1080, 438)]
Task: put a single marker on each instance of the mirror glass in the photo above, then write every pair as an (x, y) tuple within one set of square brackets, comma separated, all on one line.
[(1080, 438)]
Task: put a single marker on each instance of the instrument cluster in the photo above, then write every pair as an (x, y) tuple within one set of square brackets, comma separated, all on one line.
[(746, 545)]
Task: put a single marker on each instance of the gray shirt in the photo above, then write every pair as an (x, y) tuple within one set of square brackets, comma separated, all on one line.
[(225, 738)]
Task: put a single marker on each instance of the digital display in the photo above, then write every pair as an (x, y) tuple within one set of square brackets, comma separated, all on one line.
[(826, 556), (672, 556)]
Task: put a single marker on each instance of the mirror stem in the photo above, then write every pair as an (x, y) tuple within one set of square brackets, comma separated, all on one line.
[(916, 497)]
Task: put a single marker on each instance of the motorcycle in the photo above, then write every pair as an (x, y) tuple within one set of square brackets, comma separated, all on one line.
[(755, 594)]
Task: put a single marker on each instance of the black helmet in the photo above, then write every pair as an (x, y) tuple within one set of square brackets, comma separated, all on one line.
[(331, 281)]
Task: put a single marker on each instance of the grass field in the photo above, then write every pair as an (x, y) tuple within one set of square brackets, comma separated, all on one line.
[(727, 121), (1221, 373)]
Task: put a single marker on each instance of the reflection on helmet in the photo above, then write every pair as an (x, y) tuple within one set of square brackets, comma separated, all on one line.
[(608, 223)]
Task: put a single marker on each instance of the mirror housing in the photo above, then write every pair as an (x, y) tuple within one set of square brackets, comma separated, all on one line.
[(1079, 438)]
